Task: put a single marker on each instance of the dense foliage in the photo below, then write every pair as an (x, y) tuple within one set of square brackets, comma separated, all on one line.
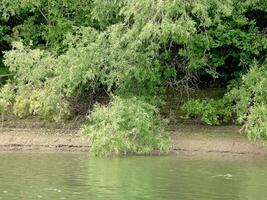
[(126, 126), (209, 111), (246, 99), (251, 102), (65, 54)]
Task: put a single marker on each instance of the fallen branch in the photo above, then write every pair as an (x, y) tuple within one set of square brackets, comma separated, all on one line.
[(6, 75)]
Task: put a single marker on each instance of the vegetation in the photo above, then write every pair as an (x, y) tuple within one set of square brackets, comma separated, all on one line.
[(245, 101), (64, 55), (126, 126), (209, 111)]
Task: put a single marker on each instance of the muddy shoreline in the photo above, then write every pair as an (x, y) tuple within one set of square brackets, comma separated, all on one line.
[(188, 139)]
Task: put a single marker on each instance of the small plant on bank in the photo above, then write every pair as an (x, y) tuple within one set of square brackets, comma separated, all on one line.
[(126, 126), (212, 112)]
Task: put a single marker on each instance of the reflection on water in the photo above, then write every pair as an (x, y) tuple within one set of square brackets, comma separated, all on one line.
[(77, 177)]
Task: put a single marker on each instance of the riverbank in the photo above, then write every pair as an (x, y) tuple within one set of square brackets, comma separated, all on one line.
[(188, 139)]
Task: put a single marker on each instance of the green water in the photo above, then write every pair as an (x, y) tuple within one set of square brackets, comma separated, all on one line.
[(77, 177)]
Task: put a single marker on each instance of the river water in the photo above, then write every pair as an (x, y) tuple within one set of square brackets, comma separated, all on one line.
[(78, 177)]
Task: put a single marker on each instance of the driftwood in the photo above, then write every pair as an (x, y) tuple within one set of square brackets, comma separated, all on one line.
[(5, 75)]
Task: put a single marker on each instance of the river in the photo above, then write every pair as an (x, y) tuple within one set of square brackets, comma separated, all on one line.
[(79, 177)]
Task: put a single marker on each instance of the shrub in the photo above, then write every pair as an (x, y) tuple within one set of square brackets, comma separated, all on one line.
[(126, 126), (251, 101), (247, 100), (51, 105), (212, 112), (21, 107), (7, 97), (256, 125), (2, 107), (46, 104)]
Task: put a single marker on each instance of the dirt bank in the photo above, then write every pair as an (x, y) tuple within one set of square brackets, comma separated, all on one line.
[(187, 139), (36, 136)]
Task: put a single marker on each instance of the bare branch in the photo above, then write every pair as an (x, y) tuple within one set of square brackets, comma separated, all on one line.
[(6, 75)]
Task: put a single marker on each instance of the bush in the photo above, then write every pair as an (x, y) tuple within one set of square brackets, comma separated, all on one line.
[(2, 107), (46, 104), (246, 100), (7, 97), (126, 126), (251, 102), (212, 112), (256, 125), (21, 107)]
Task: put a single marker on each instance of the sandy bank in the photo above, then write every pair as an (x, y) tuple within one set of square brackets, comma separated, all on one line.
[(187, 139)]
